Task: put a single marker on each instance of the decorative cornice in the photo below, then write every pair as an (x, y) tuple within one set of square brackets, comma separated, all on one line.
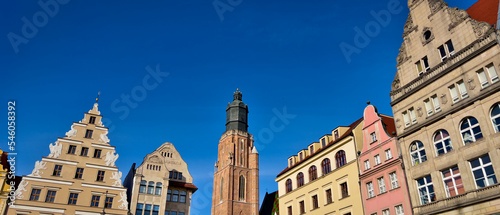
[(436, 6), (457, 16)]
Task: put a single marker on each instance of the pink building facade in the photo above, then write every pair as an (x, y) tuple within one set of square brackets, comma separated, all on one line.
[(382, 179)]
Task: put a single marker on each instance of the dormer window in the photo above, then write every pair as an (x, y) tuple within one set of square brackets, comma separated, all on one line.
[(323, 143), (311, 150), (422, 66), (291, 162), (88, 133), (336, 133), (446, 50), (300, 155), (92, 120)]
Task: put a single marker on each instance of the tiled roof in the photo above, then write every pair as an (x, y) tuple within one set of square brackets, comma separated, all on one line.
[(389, 124), (485, 11), (268, 203), (347, 133), (182, 184)]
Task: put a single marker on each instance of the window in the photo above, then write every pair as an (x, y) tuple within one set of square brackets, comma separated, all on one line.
[(340, 158), (181, 213), (147, 210), (151, 187), (370, 190), (422, 66), (323, 142), (72, 198), (242, 188), (313, 174), (175, 196), (84, 151), (367, 164), (97, 153), (95, 201), (100, 175), (483, 172), (159, 186), (79, 173), (88, 133), (446, 50), (221, 189), (290, 210), (315, 201), (288, 185), (109, 202), (35, 194), (139, 208), (71, 149), (182, 198), (425, 190), (373, 137), (409, 117), (325, 166), (300, 156), (328, 194), (388, 154), (495, 117), (470, 130), (417, 153), (442, 142), (406, 119), (142, 187), (175, 175), (92, 120), (169, 194), (386, 212), (344, 190), (381, 185), (413, 117), (302, 208), (454, 94), (399, 210), (482, 78), (394, 180), (156, 209), (57, 170), (377, 159), (51, 195), (461, 88), (432, 105), (291, 162), (300, 179), (452, 182), (311, 150), (173, 213), (336, 133)]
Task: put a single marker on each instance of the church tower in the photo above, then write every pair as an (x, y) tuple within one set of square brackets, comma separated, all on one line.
[(236, 177)]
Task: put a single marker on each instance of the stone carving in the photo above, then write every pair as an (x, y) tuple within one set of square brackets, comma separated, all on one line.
[(72, 132), (409, 26), (423, 36), (111, 158), (123, 200), (480, 28), (436, 5), (395, 83), (39, 165), (398, 123), (420, 112), (403, 55), (117, 176), (444, 100), (470, 81), (21, 187), (55, 150), (457, 16), (104, 137)]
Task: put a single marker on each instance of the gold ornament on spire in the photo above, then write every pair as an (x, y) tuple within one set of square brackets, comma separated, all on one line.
[(98, 94)]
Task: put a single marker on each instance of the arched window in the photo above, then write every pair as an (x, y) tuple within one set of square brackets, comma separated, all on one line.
[(495, 117), (325, 166), (340, 158), (417, 153), (300, 179), (442, 142), (288, 185), (470, 130), (221, 188), (242, 188), (142, 188), (313, 174), (159, 186), (151, 187)]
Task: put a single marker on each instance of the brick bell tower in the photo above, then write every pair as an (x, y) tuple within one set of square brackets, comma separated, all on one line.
[(236, 177)]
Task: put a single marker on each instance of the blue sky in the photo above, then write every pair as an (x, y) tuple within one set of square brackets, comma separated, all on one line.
[(281, 54)]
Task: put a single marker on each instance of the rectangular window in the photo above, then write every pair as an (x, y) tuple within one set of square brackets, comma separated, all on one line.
[(328, 196), (315, 201), (367, 164), (92, 120), (425, 190), (35, 194), (175, 175), (482, 78), (139, 208), (167, 212), (442, 53), (462, 89), (311, 150), (57, 170), (300, 156), (181, 213), (344, 190), (428, 107), (377, 160), (406, 119), (419, 67), (95, 201), (179, 176), (386, 212), (425, 62), (72, 149), (453, 93), (88, 133), (72, 198), (413, 116), (394, 180), (100, 175), (172, 213), (388, 154), (79, 173), (451, 49), (435, 102), (373, 136), (147, 210), (51, 195), (336, 133), (84, 152), (290, 210), (97, 153), (452, 181), (156, 210), (169, 195), (302, 208), (381, 185), (175, 196), (370, 190), (483, 172), (492, 72), (109, 202), (291, 162), (399, 210), (323, 142)]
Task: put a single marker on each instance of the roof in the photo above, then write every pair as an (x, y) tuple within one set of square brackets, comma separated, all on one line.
[(268, 203), (182, 184), (347, 133), (389, 124), (485, 11)]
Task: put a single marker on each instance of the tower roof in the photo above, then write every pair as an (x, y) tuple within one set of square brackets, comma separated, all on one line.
[(485, 11)]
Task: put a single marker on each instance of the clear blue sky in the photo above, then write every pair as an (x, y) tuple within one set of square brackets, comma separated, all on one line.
[(279, 53)]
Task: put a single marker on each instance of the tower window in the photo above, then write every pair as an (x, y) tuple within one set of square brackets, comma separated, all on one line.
[(92, 120), (242, 188), (88, 133)]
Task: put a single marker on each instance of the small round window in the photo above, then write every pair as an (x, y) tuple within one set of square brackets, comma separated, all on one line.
[(427, 35)]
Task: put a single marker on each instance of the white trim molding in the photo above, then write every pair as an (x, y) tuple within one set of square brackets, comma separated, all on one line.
[(60, 161), (38, 208), (101, 167), (47, 180), (102, 146), (103, 187)]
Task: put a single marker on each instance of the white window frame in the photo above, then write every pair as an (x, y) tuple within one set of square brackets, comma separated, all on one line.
[(367, 164), (453, 178), (377, 160), (369, 189), (373, 137), (386, 212), (426, 185), (418, 152), (483, 80), (394, 180), (470, 129), (462, 89), (481, 167), (435, 102), (413, 117), (388, 154), (442, 141), (493, 118), (399, 210), (423, 64), (446, 48), (492, 73), (428, 107), (454, 93), (406, 119), (381, 185)]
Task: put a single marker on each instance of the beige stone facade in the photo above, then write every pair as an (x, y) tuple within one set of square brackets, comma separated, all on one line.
[(324, 179), (444, 99), (162, 184), (4, 186), (79, 175)]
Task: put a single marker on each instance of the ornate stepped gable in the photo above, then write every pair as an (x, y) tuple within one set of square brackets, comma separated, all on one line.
[(79, 176)]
